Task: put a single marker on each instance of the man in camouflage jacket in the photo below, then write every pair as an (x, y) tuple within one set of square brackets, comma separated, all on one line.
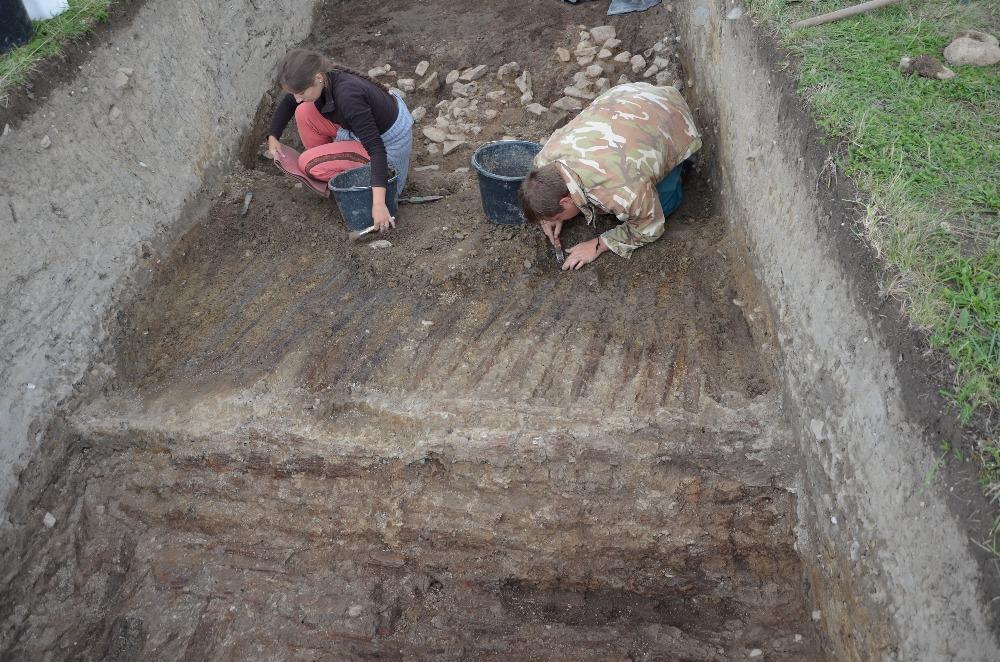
[(621, 155)]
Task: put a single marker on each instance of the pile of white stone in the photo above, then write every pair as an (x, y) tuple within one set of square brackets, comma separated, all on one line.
[(475, 98), (595, 52), (476, 94)]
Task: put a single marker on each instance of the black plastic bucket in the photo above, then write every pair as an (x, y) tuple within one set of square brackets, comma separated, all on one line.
[(15, 26), (353, 193), (502, 166)]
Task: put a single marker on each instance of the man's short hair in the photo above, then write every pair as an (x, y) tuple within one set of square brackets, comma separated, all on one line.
[(541, 192)]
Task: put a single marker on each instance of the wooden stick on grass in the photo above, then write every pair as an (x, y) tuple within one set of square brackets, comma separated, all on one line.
[(843, 13)]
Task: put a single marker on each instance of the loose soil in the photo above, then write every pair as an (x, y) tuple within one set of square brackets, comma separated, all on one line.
[(442, 449)]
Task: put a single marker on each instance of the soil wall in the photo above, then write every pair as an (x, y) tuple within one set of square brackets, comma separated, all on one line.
[(890, 559), (101, 177)]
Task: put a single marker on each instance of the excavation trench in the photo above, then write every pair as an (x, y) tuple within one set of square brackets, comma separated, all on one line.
[(446, 449)]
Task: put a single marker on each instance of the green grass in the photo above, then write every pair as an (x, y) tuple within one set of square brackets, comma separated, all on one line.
[(50, 37), (925, 155)]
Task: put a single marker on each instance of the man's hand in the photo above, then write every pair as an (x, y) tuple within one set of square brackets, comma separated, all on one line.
[(584, 253), (552, 230)]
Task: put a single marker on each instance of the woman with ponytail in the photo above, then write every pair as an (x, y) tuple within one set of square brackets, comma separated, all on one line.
[(333, 103)]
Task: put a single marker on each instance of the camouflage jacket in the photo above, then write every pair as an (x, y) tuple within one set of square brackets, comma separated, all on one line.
[(613, 154)]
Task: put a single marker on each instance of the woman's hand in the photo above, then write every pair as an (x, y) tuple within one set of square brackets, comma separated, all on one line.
[(274, 146), (381, 218), (584, 253)]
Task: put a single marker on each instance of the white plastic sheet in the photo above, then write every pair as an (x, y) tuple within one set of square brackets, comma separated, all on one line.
[(39, 10)]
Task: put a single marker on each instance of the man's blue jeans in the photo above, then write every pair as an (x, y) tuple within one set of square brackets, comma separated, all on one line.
[(669, 191)]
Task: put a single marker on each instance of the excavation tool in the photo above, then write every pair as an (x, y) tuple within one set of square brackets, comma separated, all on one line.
[(417, 199), (357, 234), (560, 254), (246, 203)]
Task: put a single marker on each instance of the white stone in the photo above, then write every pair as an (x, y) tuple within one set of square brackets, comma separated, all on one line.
[(527, 98), (612, 44), (623, 80), (594, 71), (496, 95), (355, 610), (638, 63), (426, 168), (375, 72), (49, 520), (756, 653), (452, 145), (562, 54), (651, 71), (663, 78), (585, 36), (398, 92), (585, 49), (973, 47), (434, 133), (585, 60), (406, 84), (508, 71), (523, 81), (648, 53), (622, 57), (490, 114), (536, 108), (114, 113), (464, 89), (577, 93), (661, 62), (452, 76), (660, 46), (46, 142), (418, 113), (602, 33), (6, 131), (602, 84), (422, 68), (432, 83), (568, 103), (604, 54), (433, 149), (381, 243), (120, 79), (473, 73), (798, 638)]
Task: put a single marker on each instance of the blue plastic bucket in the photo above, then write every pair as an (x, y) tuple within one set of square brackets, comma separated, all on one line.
[(502, 166), (352, 191)]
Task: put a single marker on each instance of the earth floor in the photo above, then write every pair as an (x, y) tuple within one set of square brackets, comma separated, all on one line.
[(446, 448)]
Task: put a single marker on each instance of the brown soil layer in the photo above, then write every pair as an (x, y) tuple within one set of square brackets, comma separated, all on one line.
[(442, 449)]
